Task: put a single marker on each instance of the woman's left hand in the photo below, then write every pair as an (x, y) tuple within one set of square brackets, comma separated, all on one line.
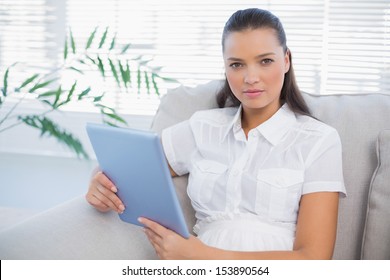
[(169, 245)]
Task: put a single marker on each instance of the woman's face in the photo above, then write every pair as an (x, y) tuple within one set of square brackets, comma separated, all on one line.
[(255, 65)]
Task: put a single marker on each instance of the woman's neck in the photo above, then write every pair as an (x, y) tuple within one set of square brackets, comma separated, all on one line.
[(252, 118)]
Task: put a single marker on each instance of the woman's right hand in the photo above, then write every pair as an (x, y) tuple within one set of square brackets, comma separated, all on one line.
[(102, 194)]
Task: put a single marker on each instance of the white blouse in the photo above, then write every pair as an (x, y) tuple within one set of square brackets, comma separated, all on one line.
[(259, 179)]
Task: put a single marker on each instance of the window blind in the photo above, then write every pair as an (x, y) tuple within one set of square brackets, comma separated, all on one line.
[(338, 46), (358, 47), (30, 34)]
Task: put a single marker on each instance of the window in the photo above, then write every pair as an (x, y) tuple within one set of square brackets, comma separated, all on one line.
[(338, 46)]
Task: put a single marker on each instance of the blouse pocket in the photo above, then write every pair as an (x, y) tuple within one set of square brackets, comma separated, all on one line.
[(278, 193), (205, 175)]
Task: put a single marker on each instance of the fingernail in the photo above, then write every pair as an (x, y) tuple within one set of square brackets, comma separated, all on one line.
[(114, 189), (121, 207)]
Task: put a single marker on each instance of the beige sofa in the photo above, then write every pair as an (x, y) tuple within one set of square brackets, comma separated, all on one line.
[(74, 230)]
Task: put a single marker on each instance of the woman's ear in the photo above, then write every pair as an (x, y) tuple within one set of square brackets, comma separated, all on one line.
[(287, 60)]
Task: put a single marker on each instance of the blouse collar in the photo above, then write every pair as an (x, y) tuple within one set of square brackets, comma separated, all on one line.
[(274, 129)]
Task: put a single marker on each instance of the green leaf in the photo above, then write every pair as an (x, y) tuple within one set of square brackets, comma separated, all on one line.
[(84, 93), (170, 80), (125, 48), (112, 45), (98, 98), (46, 102), (91, 59), (48, 94), (90, 39), (68, 98), (147, 82), (103, 39), (66, 49), (128, 73), (57, 98), (71, 91), (41, 85), (75, 69), (56, 93), (157, 69), (103, 108), (5, 80), (110, 123), (156, 89), (111, 114), (101, 66), (29, 80), (29, 120), (123, 73), (144, 62), (114, 72), (49, 128), (72, 42), (139, 80), (137, 58), (115, 117)]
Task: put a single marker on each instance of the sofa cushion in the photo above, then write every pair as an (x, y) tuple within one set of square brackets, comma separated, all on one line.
[(376, 242), (180, 103)]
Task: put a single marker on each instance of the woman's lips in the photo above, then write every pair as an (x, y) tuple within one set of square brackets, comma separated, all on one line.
[(253, 92)]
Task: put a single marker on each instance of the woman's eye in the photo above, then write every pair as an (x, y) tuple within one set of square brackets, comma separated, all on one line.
[(236, 65), (266, 61)]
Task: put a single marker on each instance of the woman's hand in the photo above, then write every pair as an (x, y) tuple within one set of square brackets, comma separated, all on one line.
[(171, 246), (102, 194)]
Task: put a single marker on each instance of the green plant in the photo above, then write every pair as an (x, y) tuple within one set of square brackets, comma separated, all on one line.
[(106, 57)]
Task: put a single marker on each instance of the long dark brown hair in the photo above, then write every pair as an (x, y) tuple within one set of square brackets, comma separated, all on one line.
[(255, 19)]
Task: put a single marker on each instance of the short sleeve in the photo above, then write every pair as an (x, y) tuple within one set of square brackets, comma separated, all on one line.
[(179, 144), (324, 170)]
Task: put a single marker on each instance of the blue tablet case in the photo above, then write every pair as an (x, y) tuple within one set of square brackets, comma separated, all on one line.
[(135, 162)]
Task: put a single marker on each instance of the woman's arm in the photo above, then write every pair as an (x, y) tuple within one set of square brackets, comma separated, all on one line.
[(315, 235), (173, 173)]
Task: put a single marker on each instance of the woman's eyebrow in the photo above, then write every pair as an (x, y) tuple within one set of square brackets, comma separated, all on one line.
[(265, 54), (257, 56)]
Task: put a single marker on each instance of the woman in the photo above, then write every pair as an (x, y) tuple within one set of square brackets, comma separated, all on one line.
[(265, 177)]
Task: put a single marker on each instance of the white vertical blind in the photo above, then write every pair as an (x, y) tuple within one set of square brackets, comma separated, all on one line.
[(338, 46)]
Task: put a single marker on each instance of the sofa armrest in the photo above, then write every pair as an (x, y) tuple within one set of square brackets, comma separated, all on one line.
[(74, 230)]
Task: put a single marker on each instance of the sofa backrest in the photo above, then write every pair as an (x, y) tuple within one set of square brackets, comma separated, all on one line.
[(358, 118)]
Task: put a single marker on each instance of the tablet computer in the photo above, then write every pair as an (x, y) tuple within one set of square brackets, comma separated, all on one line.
[(135, 162)]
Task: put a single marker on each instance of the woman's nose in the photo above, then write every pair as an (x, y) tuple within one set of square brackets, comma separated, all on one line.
[(252, 76)]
